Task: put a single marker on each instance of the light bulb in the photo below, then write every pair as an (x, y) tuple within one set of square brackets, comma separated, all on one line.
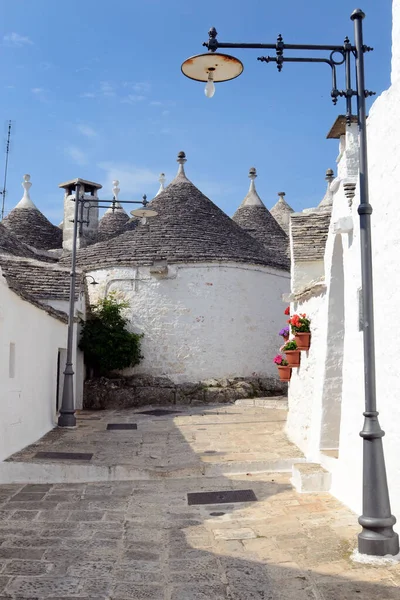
[(143, 220), (210, 87)]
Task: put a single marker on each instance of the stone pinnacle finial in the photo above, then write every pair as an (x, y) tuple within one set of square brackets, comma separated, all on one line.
[(116, 190), (161, 179), (181, 160), (26, 201), (252, 173), (329, 176), (26, 184), (282, 195), (252, 198)]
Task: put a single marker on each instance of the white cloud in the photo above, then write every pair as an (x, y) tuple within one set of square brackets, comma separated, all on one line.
[(77, 155), (156, 103), (140, 87), (87, 131), (165, 113), (107, 89), (37, 91), (132, 98), (134, 181), (88, 95), (16, 40)]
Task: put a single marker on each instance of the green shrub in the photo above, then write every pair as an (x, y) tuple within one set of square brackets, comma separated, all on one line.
[(105, 341)]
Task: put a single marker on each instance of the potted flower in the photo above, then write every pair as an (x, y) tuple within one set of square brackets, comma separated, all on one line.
[(300, 325), (292, 353), (284, 370), (285, 333)]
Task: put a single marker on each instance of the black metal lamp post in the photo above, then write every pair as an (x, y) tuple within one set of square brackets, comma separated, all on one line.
[(67, 411), (377, 537)]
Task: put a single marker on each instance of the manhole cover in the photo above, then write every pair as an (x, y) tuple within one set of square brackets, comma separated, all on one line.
[(64, 455), (121, 426), (223, 497), (159, 412)]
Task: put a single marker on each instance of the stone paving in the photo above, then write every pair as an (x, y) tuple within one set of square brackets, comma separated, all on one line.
[(221, 439), (140, 540)]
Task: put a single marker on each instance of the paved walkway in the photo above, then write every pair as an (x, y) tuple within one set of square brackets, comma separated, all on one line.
[(142, 540)]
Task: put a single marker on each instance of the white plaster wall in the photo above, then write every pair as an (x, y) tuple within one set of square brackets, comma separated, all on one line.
[(303, 272), (203, 320), (27, 401), (305, 388), (77, 356), (384, 174)]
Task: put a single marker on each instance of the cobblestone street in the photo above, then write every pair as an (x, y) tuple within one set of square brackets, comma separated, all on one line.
[(142, 540)]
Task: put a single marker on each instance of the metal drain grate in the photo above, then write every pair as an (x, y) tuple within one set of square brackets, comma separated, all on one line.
[(64, 455), (121, 426), (224, 497), (159, 412)]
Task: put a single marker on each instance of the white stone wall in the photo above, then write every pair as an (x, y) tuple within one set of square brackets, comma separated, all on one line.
[(28, 372), (77, 356), (304, 417), (384, 177), (202, 320)]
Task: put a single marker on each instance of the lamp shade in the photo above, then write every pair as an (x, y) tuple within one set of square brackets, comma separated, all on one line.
[(144, 213), (222, 66)]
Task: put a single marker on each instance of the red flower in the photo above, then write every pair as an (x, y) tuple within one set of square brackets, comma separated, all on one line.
[(287, 311)]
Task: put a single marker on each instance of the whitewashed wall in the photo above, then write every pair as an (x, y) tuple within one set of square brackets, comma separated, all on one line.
[(384, 173), (202, 320), (28, 397), (77, 356)]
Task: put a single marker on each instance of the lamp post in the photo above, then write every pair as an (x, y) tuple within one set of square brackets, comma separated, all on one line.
[(67, 411), (377, 536)]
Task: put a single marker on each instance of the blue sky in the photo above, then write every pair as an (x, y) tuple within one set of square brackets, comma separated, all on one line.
[(94, 90)]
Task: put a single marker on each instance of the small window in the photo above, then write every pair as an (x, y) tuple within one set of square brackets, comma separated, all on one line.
[(11, 361)]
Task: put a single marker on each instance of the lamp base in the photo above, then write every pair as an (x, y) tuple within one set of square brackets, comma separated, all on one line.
[(67, 420), (377, 544)]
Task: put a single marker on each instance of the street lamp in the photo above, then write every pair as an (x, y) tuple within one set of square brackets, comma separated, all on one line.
[(67, 411), (377, 536)]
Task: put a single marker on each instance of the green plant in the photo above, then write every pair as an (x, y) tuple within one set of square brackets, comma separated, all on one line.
[(291, 345), (300, 323), (280, 361), (105, 341)]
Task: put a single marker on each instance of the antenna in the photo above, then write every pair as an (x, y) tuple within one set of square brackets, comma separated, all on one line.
[(4, 191)]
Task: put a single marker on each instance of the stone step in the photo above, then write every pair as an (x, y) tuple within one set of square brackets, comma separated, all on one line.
[(52, 472), (310, 477), (266, 402)]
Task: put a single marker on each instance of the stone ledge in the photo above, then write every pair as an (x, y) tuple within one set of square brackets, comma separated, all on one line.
[(139, 390), (310, 477)]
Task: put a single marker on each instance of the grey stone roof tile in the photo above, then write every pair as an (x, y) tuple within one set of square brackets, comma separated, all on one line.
[(281, 212), (10, 244), (188, 228), (31, 227), (40, 280), (112, 224), (309, 234)]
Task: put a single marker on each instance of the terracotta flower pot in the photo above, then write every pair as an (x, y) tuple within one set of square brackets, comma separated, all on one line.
[(293, 357), (285, 373), (303, 340)]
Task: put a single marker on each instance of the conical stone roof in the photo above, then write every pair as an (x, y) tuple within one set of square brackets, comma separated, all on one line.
[(10, 244), (253, 216), (114, 220), (281, 212), (112, 223), (188, 228), (28, 224)]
